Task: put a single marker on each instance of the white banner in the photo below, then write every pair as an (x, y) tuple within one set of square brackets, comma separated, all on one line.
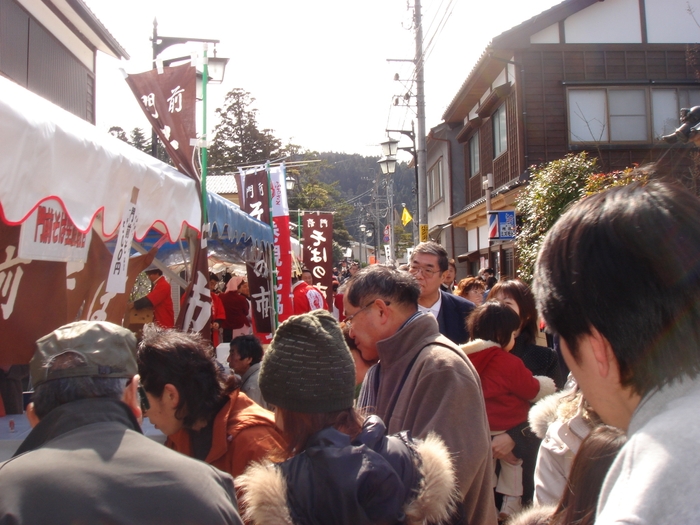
[(387, 252), (48, 234), (119, 267)]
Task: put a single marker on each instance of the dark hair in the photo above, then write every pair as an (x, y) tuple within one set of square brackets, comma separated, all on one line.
[(525, 299), (468, 284), (493, 321), (248, 346), (306, 270), (588, 470), (626, 262), (183, 360), (433, 248), (383, 282), (154, 270), (451, 262), (213, 277), (300, 426)]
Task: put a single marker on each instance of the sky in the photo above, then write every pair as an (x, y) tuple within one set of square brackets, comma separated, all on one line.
[(317, 69)]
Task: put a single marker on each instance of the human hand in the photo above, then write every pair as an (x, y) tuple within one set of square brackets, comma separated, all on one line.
[(501, 446)]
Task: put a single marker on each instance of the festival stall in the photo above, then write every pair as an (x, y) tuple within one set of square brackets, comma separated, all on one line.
[(75, 203)]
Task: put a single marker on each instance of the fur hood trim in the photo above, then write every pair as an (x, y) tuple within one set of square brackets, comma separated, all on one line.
[(547, 387), (477, 345), (437, 494), (264, 495), (533, 516), (264, 489), (546, 412)]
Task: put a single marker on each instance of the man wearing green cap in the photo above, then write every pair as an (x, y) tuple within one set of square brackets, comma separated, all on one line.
[(86, 460)]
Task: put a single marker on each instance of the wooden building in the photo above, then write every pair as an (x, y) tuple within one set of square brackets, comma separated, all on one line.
[(572, 78), (50, 48)]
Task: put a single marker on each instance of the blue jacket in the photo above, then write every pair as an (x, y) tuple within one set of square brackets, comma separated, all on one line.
[(452, 317)]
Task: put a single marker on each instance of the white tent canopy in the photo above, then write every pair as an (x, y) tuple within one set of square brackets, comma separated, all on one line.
[(46, 152)]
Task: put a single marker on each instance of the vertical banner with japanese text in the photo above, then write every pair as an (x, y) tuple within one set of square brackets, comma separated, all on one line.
[(283, 245), (253, 193), (317, 231), (169, 101)]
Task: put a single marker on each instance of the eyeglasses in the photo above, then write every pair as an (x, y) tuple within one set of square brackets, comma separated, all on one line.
[(427, 272), (349, 318)]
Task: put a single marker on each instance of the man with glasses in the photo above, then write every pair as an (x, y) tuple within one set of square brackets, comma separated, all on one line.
[(423, 381), (429, 262), (86, 460)]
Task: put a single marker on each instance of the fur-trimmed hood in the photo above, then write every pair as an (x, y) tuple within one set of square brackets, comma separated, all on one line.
[(538, 515), (264, 485), (477, 345), (545, 412)]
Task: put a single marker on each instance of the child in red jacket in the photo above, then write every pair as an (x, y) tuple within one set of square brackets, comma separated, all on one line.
[(509, 387)]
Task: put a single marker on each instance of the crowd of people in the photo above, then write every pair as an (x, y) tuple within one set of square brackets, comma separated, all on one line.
[(427, 403)]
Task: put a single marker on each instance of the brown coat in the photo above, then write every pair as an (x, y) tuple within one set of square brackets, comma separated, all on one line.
[(441, 393), (243, 432)]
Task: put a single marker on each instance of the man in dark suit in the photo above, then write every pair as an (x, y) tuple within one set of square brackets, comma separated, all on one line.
[(429, 262)]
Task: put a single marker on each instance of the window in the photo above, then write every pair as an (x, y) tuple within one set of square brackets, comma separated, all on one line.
[(474, 167), (435, 185), (500, 141), (611, 115)]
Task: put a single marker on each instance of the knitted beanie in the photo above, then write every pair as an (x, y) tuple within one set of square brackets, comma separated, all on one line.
[(308, 366)]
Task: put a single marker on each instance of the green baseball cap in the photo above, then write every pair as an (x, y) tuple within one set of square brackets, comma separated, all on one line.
[(104, 350)]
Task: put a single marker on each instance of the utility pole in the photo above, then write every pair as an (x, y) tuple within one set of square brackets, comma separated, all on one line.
[(422, 153)]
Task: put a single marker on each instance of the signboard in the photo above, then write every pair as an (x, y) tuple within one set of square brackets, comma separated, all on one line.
[(318, 250), (48, 234), (501, 225)]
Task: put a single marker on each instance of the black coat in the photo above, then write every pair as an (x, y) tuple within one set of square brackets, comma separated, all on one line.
[(452, 318)]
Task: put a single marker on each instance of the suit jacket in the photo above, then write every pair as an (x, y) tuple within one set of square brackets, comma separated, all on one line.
[(452, 318)]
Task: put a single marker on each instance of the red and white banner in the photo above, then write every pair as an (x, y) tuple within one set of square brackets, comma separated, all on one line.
[(318, 250), (283, 245)]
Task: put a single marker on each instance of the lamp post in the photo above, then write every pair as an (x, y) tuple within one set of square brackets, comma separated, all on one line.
[(363, 228), (388, 166), (161, 43)]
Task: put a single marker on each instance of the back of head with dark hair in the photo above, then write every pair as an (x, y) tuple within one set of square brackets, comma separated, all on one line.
[(248, 346), (626, 262), (433, 248), (183, 360), (382, 282), (523, 296), (493, 321), (588, 470)]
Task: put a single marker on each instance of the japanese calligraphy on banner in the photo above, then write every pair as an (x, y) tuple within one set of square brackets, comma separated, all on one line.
[(283, 245), (317, 231), (253, 192), (48, 234), (118, 269), (169, 101)]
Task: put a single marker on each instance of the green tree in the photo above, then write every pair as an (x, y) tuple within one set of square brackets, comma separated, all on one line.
[(237, 139), (118, 132), (553, 187), (139, 140)]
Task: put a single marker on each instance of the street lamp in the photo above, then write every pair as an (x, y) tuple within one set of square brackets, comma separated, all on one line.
[(290, 182), (363, 228), (161, 43)]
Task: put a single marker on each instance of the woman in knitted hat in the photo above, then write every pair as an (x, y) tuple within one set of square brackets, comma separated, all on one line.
[(342, 470)]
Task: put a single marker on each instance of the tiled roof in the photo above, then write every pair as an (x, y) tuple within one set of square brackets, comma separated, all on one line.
[(222, 184)]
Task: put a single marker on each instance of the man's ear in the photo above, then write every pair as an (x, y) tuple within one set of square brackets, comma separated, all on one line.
[(131, 398), (603, 354), (31, 415)]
